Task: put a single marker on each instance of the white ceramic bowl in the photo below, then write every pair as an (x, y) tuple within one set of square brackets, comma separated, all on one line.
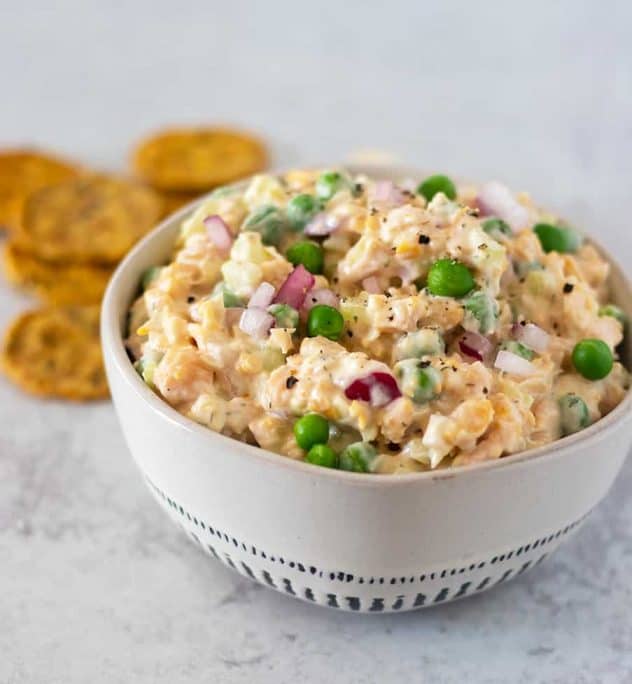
[(367, 543)]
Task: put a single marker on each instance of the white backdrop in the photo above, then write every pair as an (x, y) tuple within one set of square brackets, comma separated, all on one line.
[(94, 586)]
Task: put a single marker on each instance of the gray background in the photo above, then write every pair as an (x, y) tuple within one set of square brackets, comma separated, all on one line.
[(95, 585)]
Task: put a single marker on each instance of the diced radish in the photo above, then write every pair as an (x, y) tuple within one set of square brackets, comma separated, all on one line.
[(377, 388), (256, 322), (495, 199), (321, 295), (219, 233), (514, 364), (262, 297), (321, 225), (295, 287), (387, 192), (475, 346), (382, 190), (532, 336)]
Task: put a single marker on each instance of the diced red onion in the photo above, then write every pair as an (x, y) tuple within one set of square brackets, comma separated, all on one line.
[(377, 388), (219, 233), (475, 346), (496, 199), (386, 191), (295, 287), (514, 364), (322, 224), (256, 322), (262, 297), (532, 336), (372, 285), (321, 295), (232, 315)]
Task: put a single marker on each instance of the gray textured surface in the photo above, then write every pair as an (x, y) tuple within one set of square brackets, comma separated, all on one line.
[(95, 584)]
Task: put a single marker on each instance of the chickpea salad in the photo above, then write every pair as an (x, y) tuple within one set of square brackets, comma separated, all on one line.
[(359, 324)]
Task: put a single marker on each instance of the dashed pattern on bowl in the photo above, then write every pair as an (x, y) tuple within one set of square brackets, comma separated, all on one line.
[(327, 587)]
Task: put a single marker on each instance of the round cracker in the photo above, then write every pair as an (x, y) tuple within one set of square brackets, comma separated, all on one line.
[(55, 283), (23, 172), (198, 159), (55, 352), (94, 219)]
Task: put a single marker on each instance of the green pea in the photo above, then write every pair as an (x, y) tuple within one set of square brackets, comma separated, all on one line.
[(449, 278), (424, 342), (518, 349), (301, 209), (325, 321), (286, 316), (615, 312), (148, 277), (269, 221), (311, 255), (496, 227), (574, 414), (329, 183), (481, 313), (311, 429), (434, 184), (418, 380), (557, 238), (358, 457), (592, 359), (323, 456)]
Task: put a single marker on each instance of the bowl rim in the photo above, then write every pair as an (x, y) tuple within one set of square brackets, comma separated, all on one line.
[(114, 349)]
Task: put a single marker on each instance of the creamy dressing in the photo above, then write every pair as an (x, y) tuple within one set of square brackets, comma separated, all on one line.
[(186, 338)]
